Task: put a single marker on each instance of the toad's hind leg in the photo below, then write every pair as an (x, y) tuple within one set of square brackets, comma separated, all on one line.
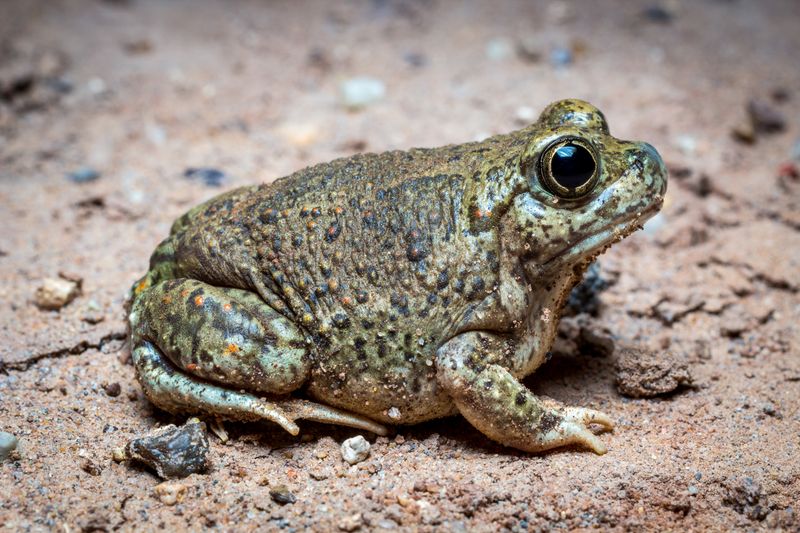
[(192, 341), (177, 392)]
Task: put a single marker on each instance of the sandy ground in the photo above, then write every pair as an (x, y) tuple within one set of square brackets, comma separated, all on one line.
[(139, 91)]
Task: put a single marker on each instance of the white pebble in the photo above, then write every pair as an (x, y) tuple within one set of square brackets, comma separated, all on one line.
[(355, 450), (361, 91), (394, 413), (525, 114), (499, 48)]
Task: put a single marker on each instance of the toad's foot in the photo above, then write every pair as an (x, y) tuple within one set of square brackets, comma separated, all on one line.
[(491, 398), (574, 426), (180, 393)]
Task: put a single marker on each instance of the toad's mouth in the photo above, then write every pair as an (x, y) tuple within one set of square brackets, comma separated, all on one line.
[(591, 246)]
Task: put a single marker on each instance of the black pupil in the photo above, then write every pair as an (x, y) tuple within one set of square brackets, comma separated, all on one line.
[(572, 166)]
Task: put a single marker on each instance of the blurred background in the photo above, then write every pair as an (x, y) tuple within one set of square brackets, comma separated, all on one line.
[(117, 116)]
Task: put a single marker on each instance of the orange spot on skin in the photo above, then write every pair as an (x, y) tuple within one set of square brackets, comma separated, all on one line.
[(482, 214), (142, 285), (346, 300), (227, 307), (185, 293), (167, 299), (338, 210), (231, 349), (311, 224), (191, 367), (198, 301)]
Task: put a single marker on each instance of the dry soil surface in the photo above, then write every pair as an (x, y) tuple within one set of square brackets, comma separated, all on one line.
[(140, 91)]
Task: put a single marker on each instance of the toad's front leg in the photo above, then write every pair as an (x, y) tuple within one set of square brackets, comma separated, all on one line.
[(469, 367)]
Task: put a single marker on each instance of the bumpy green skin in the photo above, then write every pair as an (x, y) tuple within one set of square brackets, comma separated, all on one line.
[(395, 287)]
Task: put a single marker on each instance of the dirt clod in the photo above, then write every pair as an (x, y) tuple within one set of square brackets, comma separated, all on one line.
[(173, 452), (55, 293), (352, 522), (745, 496), (765, 117), (112, 389), (282, 495), (642, 373), (171, 492)]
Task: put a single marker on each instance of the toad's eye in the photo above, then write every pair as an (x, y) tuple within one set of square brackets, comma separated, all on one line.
[(568, 168)]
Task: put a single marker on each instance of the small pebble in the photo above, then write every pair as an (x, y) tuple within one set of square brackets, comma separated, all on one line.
[(112, 389), (8, 443), (687, 144), (561, 57), (394, 413), (529, 49), (83, 175), (658, 14), (693, 490), (415, 59), (355, 449), (209, 176), (90, 467), (282, 495), (173, 452), (359, 92), (769, 409), (351, 523), (499, 48), (765, 117), (171, 492), (119, 454), (54, 293), (524, 115)]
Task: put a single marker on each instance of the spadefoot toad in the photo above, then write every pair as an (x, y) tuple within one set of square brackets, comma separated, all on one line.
[(394, 288)]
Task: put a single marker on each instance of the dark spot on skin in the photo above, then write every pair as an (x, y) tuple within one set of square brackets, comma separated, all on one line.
[(297, 241), (548, 356), (442, 280), (341, 321), (381, 347), (548, 421), (359, 344), (270, 216), (400, 302), (276, 243), (520, 399), (445, 301), (333, 232), (478, 286), (458, 286), (488, 384), (304, 212), (432, 298), (416, 251), (372, 275), (362, 297), (366, 324), (316, 212)]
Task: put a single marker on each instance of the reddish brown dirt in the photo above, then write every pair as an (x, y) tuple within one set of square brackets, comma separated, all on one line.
[(252, 88)]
